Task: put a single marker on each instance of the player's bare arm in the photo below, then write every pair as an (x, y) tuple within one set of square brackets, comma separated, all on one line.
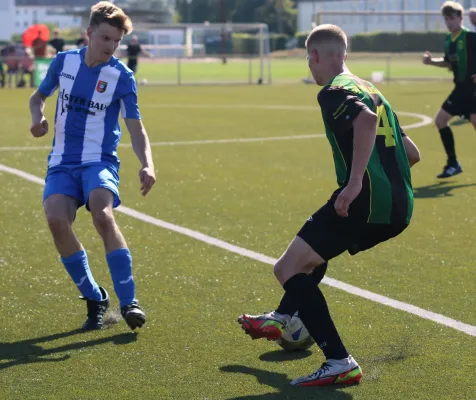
[(39, 124), (141, 146), (365, 132), (413, 154), (436, 62)]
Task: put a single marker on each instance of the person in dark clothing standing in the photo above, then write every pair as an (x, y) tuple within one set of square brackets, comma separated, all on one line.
[(58, 42), (133, 50)]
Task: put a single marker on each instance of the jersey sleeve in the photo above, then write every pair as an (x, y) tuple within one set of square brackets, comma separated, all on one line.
[(340, 108), (129, 101), (471, 43), (51, 81), (399, 127)]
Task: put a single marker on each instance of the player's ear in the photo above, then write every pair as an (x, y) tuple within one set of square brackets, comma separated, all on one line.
[(315, 55), (345, 57), (89, 31)]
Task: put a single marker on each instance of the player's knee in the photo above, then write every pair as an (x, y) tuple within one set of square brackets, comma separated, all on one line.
[(279, 269), (473, 120), (441, 122), (57, 223), (103, 220), (284, 270)]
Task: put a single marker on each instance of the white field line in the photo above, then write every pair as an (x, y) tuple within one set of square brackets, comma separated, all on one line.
[(425, 120), (399, 305)]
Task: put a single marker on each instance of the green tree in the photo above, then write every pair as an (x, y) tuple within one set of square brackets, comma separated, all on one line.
[(280, 15)]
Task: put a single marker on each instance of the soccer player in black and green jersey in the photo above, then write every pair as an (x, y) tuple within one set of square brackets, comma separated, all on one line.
[(374, 203), (460, 57)]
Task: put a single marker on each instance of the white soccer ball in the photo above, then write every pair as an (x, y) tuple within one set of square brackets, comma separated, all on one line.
[(143, 81), (295, 336)]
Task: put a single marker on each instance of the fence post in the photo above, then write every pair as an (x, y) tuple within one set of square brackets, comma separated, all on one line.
[(179, 72), (250, 69), (387, 72), (269, 68)]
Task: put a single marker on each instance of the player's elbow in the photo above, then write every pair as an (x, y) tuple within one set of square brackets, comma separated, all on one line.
[(36, 97), (413, 156)]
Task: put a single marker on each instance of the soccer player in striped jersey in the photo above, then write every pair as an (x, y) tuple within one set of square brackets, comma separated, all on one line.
[(460, 57), (83, 167), (374, 203)]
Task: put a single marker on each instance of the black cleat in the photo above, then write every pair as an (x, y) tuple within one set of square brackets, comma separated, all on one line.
[(96, 311), (451, 170), (134, 315)]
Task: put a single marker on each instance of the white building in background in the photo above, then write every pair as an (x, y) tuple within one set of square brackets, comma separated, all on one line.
[(7, 19), (26, 16), (354, 24), (17, 15)]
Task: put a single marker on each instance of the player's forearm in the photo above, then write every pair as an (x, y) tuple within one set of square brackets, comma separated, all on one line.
[(413, 154), (141, 146), (365, 129), (439, 62), (37, 105)]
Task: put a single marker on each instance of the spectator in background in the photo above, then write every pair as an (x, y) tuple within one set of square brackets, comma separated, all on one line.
[(39, 46), (3, 55), (133, 50), (58, 42), (472, 18), (83, 39), (12, 66), (27, 66)]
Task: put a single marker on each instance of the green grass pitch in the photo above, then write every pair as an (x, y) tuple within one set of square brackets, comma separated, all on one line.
[(255, 195)]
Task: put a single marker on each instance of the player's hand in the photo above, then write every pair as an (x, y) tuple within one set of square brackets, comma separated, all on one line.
[(346, 197), (40, 129), (427, 58), (147, 179), (473, 77)]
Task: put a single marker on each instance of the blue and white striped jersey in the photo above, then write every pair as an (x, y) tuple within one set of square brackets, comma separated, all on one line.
[(87, 109)]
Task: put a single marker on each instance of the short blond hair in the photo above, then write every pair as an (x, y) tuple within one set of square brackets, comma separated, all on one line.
[(105, 11), (327, 33), (472, 10), (450, 8)]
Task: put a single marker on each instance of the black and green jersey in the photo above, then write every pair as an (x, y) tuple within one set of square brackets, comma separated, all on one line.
[(460, 52), (387, 194)]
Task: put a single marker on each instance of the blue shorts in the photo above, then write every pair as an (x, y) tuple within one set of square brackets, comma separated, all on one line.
[(79, 180)]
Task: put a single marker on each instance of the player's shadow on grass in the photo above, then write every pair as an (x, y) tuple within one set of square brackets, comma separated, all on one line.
[(281, 355), (285, 390), (440, 189), (28, 351)]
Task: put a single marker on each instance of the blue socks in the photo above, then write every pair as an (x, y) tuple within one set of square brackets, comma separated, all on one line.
[(78, 268), (120, 266)]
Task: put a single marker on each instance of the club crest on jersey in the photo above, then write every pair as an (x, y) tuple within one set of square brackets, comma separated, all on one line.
[(101, 86)]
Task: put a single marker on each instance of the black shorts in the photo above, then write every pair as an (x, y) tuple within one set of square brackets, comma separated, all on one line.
[(461, 101), (331, 235)]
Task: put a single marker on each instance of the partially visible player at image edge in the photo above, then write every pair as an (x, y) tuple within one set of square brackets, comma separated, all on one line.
[(460, 57)]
